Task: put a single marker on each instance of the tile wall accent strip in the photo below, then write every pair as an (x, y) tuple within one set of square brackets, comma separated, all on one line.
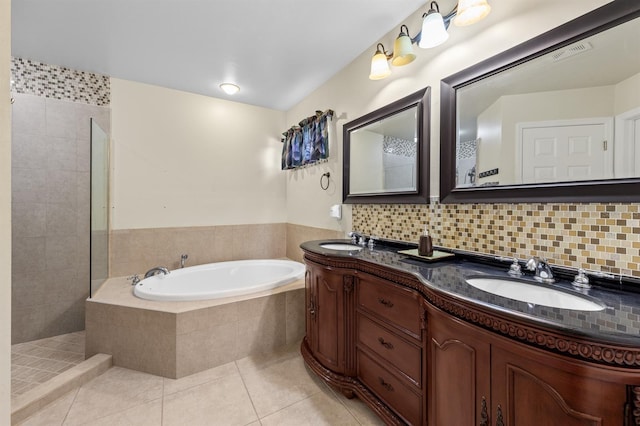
[(601, 237), (51, 81)]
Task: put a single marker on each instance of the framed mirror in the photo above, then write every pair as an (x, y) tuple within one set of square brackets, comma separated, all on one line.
[(556, 118), (386, 153)]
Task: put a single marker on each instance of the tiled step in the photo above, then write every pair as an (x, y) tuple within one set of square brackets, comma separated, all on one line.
[(22, 406)]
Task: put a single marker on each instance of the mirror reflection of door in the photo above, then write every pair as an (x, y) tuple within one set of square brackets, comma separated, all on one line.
[(575, 89), (566, 152)]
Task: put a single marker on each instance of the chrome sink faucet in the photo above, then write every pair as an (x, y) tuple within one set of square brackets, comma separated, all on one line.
[(543, 272), (155, 271), (357, 238)]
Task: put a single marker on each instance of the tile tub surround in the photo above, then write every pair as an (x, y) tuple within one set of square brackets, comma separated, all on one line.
[(298, 234), (176, 339), (602, 237), (135, 251)]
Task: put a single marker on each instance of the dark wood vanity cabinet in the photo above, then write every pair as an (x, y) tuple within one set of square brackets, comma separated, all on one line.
[(478, 378), (325, 319), (416, 356), (389, 345)]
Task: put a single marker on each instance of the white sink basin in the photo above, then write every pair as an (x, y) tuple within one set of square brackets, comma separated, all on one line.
[(341, 246), (534, 293)]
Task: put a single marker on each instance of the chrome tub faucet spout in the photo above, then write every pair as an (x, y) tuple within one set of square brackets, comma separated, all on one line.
[(155, 271)]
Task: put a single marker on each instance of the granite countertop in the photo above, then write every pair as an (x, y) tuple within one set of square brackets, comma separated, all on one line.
[(618, 323)]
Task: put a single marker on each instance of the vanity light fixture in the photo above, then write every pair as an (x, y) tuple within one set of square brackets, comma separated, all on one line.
[(230, 88), (402, 48), (379, 65), (433, 27), (470, 12), (433, 33)]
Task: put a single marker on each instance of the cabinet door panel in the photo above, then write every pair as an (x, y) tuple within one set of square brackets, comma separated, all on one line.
[(538, 391), (330, 318), (459, 372)]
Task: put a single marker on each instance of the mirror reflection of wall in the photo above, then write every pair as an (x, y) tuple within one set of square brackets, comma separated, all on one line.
[(570, 115), (384, 155)]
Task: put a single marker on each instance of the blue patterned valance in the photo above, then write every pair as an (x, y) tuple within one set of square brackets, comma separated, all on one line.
[(308, 142)]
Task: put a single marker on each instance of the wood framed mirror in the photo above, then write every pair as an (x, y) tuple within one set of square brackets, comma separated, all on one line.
[(386, 153), (555, 119)]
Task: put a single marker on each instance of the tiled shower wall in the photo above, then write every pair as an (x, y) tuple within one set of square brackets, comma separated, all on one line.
[(601, 237), (50, 195)]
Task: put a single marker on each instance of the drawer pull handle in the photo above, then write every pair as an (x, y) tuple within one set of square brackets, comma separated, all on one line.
[(387, 345), (385, 385), (385, 302)]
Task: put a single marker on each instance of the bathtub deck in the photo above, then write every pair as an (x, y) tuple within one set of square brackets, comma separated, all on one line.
[(176, 339)]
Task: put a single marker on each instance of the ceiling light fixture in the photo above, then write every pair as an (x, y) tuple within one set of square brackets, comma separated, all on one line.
[(230, 88), (433, 33)]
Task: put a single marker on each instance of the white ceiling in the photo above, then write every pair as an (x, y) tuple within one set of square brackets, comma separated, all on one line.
[(277, 51)]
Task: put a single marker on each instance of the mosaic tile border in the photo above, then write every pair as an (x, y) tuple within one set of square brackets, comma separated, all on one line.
[(601, 237), (51, 81)]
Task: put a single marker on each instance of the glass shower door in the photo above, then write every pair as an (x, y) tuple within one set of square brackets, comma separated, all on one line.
[(99, 266)]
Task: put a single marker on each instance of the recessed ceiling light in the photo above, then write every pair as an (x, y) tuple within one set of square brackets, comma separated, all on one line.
[(230, 88)]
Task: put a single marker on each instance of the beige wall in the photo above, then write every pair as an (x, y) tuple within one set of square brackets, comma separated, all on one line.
[(627, 94), (182, 160), (5, 213), (351, 94)]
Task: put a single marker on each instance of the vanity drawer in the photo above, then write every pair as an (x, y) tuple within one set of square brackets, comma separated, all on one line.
[(393, 304), (393, 391), (403, 355)]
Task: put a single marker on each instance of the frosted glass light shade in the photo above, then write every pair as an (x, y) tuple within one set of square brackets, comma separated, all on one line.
[(471, 11), (379, 66), (434, 32), (402, 51), (230, 88)]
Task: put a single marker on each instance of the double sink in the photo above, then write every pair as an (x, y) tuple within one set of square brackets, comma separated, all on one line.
[(521, 290)]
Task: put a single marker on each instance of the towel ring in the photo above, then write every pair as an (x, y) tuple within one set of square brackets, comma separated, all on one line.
[(327, 175)]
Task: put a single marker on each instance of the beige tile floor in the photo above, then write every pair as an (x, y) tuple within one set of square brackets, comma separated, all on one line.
[(35, 362), (274, 389)]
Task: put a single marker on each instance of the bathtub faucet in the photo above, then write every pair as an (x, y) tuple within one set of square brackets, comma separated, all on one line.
[(155, 271), (183, 258)]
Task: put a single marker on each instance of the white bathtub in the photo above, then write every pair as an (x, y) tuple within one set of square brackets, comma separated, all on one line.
[(217, 280)]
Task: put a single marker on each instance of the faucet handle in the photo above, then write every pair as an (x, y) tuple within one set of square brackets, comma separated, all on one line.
[(515, 269), (581, 280), (135, 279), (372, 242)]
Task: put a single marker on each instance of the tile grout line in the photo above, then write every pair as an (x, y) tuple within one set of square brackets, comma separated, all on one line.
[(162, 404), (247, 390), (70, 406), (340, 400)]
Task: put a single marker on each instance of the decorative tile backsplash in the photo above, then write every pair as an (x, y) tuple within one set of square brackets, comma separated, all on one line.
[(51, 81), (601, 237)]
